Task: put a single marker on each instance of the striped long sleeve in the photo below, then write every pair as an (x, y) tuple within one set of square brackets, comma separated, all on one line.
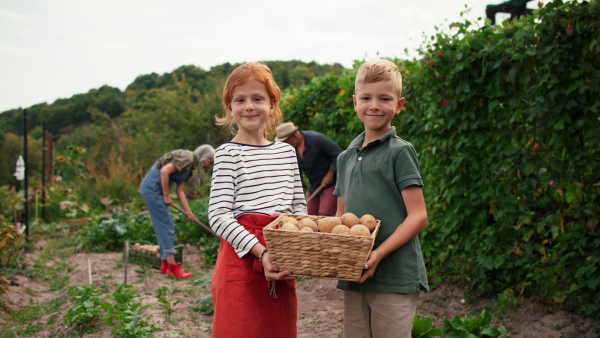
[(252, 179)]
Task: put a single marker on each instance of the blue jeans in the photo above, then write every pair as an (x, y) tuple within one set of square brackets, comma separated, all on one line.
[(151, 192)]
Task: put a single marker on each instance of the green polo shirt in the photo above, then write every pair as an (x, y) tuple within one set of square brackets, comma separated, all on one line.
[(369, 180)]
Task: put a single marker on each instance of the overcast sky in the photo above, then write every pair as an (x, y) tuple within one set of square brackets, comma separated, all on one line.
[(52, 49)]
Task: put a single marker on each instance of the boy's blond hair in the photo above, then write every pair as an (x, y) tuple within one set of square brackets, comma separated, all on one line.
[(379, 70)]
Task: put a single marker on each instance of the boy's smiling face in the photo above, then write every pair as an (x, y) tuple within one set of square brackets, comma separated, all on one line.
[(376, 104)]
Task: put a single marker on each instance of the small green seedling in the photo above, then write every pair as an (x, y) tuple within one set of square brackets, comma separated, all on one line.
[(473, 327)]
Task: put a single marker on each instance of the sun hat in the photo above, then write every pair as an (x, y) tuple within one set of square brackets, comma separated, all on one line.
[(284, 131)]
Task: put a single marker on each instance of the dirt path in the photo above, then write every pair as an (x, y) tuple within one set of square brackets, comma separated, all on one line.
[(320, 312)]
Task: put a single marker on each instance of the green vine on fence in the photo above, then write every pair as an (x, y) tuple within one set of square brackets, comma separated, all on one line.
[(506, 124)]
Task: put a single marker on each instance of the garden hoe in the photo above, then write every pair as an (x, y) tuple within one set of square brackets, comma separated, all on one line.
[(315, 193), (195, 220)]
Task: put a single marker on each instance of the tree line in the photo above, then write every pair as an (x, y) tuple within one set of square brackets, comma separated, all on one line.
[(153, 114)]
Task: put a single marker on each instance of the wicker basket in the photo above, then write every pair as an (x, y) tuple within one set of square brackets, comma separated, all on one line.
[(139, 255), (318, 254)]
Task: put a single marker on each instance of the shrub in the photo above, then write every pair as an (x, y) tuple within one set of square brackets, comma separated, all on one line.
[(472, 326), (109, 233), (11, 240), (506, 124)]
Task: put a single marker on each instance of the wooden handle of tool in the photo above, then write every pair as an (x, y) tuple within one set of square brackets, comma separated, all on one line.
[(195, 220), (315, 193)]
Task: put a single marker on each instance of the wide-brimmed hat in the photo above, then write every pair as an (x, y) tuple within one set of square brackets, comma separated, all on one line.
[(284, 131)]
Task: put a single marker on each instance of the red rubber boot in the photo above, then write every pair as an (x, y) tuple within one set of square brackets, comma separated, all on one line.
[(164, 267), (176, 271)]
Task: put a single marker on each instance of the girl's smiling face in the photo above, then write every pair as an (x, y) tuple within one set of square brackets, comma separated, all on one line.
[(250, 107)]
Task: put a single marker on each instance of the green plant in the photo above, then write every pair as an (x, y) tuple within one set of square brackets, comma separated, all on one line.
[(53, 229), (110, 233), (27, 320), (64, 203), (204, 305), (143, 271), (300, 281), (55, 275), (506, 301), (10, 241), (204, 284), (125, 314), (423, 328), (472, 326), (10, 201), (191, 232), (71, 165), (85, 308), (210, 247), (512, 172), (510, 178), (165, 300)]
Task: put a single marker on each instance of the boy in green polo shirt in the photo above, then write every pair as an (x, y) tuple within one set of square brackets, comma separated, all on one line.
[(379, 175)]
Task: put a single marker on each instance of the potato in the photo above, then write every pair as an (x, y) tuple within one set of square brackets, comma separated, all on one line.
[(288, 219), (349, 219), (289, 226), (307, 229), (368, 221), (359, 230), (307, 222), (340, 230), (327, 224)]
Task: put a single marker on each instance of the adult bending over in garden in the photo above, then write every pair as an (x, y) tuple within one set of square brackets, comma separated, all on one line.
[(176, 166)]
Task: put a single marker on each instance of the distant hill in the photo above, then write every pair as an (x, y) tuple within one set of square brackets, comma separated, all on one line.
[(63, 115)]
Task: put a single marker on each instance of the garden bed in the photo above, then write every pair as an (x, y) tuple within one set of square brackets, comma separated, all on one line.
[(320, 305)]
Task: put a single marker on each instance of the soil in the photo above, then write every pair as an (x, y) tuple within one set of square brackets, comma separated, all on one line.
[(320, 305)]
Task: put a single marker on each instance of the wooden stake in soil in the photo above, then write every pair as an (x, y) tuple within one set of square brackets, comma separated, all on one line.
[(126, 260), (90, 270)]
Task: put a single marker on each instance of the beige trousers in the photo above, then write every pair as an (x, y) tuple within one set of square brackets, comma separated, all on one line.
[(379, 314)]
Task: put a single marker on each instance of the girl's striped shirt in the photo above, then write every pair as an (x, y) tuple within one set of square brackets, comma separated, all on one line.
[(252, 180)]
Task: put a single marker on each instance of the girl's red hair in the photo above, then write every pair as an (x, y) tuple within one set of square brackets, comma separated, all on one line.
[(252, 71)]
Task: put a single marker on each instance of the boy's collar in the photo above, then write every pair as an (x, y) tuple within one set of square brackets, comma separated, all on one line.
[(360, 138)]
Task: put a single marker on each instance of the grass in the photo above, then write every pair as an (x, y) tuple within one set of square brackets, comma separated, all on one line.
[(26, 320), (49, 269), (48, 265)]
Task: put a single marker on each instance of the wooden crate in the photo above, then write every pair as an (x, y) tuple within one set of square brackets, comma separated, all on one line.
[(139, 255)]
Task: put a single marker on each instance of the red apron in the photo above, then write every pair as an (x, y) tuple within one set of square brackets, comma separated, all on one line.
[(240, 291)]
